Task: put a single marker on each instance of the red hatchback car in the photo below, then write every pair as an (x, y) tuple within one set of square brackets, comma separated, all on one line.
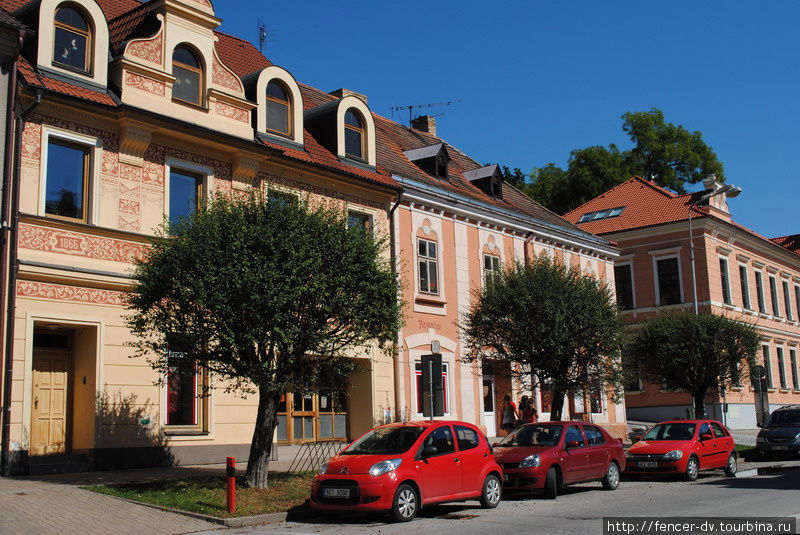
[(549, 455), (683, 447), (398, 468)]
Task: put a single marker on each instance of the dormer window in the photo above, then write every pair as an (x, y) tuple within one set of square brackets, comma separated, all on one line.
[(72, 44), (432, 159), (353, 135), (441, 167), (278, 109), (187, 70)]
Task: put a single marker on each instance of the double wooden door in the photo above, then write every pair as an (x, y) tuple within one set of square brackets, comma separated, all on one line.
[(50, 417)]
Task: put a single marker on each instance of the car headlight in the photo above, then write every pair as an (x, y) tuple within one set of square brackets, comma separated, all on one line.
[(673, 455), (323, 468), (760, 439), (384, 467), (531, 461), (796, 439)]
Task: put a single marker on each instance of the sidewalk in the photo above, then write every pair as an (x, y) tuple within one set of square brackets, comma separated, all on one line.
[(53, 504)]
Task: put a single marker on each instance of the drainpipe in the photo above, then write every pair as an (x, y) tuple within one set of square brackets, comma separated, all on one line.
[(396, 350), (13, 268)]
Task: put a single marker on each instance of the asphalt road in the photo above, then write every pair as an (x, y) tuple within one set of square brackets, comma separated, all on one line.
[(579, 510)]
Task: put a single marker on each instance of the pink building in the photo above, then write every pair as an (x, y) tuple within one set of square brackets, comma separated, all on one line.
[(739, 273)]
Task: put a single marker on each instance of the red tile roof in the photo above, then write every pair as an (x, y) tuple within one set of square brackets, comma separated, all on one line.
[(789, 242), (32, 78), (646, 204)]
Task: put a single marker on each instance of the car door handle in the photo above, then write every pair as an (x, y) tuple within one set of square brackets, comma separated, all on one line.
[(455, 459), (485, 454)]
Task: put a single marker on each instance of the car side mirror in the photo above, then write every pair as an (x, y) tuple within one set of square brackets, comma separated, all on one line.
[(429, 451), (636, 438), (706, 436), (572, 444)]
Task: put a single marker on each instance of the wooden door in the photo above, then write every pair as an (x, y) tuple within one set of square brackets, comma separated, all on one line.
[(51, 401)]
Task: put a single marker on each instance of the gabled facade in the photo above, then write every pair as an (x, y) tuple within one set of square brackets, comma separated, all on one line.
[(739, 274)]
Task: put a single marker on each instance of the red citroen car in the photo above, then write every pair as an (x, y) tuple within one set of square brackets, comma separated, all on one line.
[(549, 455), (398, 468), (683, 447)]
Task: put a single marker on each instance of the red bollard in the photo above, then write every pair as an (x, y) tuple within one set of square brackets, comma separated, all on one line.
[(230, 470)]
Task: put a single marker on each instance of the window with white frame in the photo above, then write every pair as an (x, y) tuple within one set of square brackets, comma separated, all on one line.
[(773, 289), (427, 260), (787, 301), (797, 299), (793, 365), (767, 366), (185, 194), (623, 280), (359, 221), (491, 267), (725, 281), (445, 390), (669, 281), (745, 286), (762, 307), (72, 42), (781, 369)]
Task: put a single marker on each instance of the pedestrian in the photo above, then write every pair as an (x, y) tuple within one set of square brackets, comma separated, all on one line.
[(509, 414), (527, 412)]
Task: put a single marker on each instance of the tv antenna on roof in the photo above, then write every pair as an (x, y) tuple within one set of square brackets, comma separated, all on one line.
[(262, 35), (412, 107)]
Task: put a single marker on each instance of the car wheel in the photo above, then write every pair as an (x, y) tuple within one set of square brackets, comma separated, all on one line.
[(692, 469), (492, 490), (611, 479), (405, 504), (551, 484), (731, 468)]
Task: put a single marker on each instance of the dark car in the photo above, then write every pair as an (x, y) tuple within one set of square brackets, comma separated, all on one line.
[(781, 432), (549, 455)]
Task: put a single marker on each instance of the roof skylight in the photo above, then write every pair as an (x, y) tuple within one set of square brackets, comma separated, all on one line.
[(601, 214)]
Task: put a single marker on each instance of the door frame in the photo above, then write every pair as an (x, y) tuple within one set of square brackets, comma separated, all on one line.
[(63, 321), (485, 415), (69, 352)]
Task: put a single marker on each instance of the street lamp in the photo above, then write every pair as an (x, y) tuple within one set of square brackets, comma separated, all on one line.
[(731, 191)]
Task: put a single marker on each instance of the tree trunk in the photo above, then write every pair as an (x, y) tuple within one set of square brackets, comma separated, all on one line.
[(699, 406), (556, 405), (261, 447)]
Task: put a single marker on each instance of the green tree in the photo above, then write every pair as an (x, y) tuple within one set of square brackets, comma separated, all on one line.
[(699, 353), (552, 324), (270, 297), (667, 153)]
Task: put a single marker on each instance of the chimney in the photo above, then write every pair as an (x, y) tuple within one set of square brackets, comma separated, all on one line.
[(341, 93), (424, 123)]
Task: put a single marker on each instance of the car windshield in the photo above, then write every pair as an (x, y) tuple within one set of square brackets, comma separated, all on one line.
[(385, 440), (784, 419), (534, 435), (673, 431)]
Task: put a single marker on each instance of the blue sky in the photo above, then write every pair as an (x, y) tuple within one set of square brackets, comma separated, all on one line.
[(537, 79)]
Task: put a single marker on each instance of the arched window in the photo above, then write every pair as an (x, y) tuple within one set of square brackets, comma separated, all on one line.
[(188, 73), (353, 135), (278, 109), (72, 46)]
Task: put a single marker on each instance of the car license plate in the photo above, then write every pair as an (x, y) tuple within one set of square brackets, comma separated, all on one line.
[(648, 464), (780, 448), (336, 493)]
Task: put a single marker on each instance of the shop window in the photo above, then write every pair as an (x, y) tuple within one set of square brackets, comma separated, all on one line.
[(72, 43), (418, 374), (184, 392), (67, 180)]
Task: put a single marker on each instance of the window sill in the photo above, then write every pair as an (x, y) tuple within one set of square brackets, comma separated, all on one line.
[(796, 390), (185, 433), (188, 104), (736, 389), (784, 390), (430, 300), (749, 311), (772, 390), (764, 315)]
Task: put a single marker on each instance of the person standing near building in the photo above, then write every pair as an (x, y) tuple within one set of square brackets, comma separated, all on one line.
[(527, 412), (509, 414)]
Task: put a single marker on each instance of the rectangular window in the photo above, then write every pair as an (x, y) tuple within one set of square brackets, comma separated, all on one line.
[(491, 267), (760, 293), (669, 281), (773, 289), (67, 180), (793, 364), (185, 194), (768, 366), (182, 393), (280, 198), (797, 299), (359, 221), (726, 287), (781, 369), (736, 375), (745, 286), (428, 267), (787, 301), (623, 279), (418, 374)]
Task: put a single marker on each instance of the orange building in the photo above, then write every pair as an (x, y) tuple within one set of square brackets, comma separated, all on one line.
[(739, 274)]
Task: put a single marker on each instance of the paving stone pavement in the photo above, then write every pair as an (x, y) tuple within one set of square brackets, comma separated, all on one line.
[(42, 507)]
